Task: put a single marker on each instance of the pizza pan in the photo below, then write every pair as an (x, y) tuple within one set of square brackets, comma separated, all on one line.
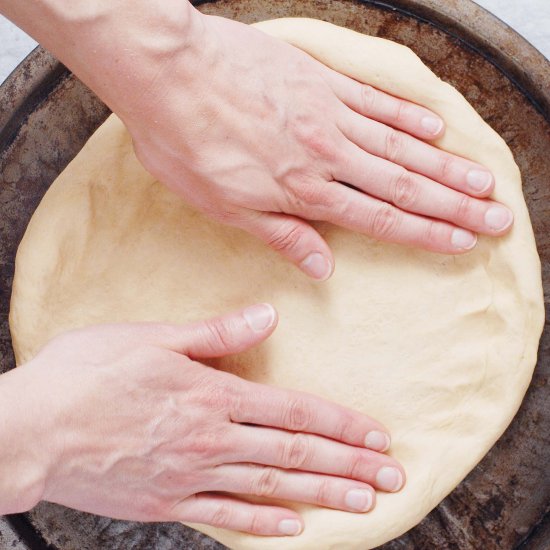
[(46, 116)]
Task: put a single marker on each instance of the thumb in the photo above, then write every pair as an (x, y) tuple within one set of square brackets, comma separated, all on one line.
[(295, 239), (231, 333)]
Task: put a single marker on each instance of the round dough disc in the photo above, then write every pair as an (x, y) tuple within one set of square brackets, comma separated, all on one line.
[(441, 349)]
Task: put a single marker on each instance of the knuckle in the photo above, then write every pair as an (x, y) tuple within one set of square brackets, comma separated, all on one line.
[(384, 222), (431, 232), (257, 523), (236, 398), (400, 111), (152, 510), (444, 166), (296, 453), (322, 146), (308, 194), (214, 393), (404, 190), (343, 211), (367, 99), (298, 416), (267, 483), (204, 444), (394, 145), (344, 428), (324, 493), (463, 208), (218, 334), (287, 237), (222, 515), (314, 136), (355, 466)]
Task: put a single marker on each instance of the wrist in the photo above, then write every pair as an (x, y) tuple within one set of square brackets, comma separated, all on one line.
[(119, 48), (24, 448), (126, 55)]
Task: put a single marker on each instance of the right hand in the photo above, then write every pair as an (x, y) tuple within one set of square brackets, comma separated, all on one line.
[(258, 134), (264, 137), (137, 429)]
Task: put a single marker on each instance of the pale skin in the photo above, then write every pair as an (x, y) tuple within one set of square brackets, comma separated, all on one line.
[(133, 426), (261, 136)]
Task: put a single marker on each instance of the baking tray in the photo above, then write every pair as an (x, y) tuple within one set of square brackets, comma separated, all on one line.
[(46, 116)]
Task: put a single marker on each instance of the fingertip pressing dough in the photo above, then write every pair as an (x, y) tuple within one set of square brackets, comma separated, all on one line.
[(440, 349)]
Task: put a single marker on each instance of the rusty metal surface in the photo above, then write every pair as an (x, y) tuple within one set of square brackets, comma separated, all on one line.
[(47, 115), (527, 67)]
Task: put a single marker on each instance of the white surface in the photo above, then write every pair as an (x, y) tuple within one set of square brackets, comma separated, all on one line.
[(531, 18), (15, 45)]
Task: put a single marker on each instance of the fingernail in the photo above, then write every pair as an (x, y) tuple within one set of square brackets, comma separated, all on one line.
[(389, 478), (463, 239), (290, 527), (479, 180), (259, 317), (359, 499), (317, 266), (431, 124), (498, 218), (377, 441)]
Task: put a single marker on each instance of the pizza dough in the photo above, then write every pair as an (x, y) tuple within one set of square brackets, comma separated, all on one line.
[(439, 348)]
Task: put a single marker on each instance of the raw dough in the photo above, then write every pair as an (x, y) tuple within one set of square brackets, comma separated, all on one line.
[(439, 348)]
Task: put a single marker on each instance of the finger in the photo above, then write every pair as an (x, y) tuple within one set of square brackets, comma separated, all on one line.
[(359, 212), (294, 239), (230, 513), (217, 337), (312, 453), (399, 113), (420, 195), (302, 412), (266, 481), (417, 156)]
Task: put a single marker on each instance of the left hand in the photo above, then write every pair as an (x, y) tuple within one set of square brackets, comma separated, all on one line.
[(133, 426)]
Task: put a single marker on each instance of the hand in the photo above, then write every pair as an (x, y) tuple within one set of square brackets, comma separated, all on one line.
[(261, 136), (139, 430)]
